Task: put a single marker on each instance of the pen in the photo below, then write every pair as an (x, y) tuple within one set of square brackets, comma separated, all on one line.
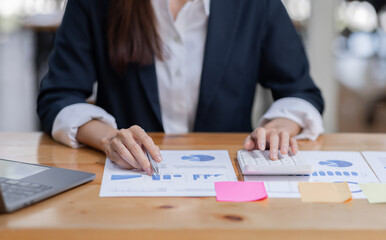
[(153, 164)]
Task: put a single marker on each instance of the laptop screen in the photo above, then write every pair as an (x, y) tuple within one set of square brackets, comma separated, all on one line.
[(16, 170)]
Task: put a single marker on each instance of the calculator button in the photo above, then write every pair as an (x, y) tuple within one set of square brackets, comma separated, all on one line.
[(259, 163)]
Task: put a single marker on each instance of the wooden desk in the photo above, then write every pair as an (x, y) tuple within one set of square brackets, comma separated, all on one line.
[(81, 214)]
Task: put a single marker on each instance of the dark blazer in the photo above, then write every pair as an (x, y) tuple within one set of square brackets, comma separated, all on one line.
[(248, 42)]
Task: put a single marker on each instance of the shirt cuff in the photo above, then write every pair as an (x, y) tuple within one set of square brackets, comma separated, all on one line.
[(70, 118), (299, 111)]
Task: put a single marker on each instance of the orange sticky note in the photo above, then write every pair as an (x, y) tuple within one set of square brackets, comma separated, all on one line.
[(324, 192)]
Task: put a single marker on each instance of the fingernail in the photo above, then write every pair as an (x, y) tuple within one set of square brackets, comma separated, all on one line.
[(149, 171), (262, 146), (159, 157), (285, 149)]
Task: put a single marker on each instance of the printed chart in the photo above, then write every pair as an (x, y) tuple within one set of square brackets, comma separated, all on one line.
[(182, 173), (328, 166)]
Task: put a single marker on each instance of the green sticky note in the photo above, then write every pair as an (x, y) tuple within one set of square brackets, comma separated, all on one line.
[(375, 192)]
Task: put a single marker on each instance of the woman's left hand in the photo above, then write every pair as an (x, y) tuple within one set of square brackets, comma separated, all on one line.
[(276, 134)]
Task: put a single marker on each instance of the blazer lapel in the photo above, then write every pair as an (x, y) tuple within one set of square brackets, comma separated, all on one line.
[(148, 78), (222, 27)]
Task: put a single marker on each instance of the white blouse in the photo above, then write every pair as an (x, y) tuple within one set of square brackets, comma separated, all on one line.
[(178, 79)]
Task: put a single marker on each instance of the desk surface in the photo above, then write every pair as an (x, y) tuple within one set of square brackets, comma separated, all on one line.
[(81, 214)]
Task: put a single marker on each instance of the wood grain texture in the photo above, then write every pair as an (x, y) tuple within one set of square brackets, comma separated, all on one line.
[(81, 214)]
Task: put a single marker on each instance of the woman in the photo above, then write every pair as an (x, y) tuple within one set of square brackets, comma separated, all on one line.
[(176, 66)]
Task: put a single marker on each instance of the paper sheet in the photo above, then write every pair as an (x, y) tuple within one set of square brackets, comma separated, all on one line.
[(324, 192), (377, 161), (375, 192), (182, 173), (240, 191), (328, 166)]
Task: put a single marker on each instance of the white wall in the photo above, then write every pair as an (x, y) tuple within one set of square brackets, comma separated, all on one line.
[(321, 33), (17, 83)]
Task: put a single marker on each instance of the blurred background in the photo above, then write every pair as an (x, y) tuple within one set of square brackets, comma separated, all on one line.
[(345, 42)]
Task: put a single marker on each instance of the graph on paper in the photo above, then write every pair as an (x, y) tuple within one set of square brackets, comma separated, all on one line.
[(336, 163), (182, 173), (329, 166), (167, 177)]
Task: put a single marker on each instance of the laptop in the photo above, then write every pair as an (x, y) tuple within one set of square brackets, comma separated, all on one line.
[(23, 184)]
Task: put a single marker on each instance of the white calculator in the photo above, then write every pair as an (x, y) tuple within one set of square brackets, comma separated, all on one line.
[(258, 163)]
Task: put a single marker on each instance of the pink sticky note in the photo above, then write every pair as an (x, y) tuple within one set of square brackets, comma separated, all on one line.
[(240, 191)]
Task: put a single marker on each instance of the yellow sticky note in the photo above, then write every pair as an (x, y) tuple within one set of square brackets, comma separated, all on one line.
[(324, 192), (375, 192)]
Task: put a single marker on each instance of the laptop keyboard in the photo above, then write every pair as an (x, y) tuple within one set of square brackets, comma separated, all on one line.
[(14, 190)]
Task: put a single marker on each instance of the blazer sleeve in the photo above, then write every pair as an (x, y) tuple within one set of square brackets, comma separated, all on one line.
[(71, 71), (284, 66)]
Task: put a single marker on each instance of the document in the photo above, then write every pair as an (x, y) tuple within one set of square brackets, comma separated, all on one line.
[(182, 173), (328, 166), (377, 161)]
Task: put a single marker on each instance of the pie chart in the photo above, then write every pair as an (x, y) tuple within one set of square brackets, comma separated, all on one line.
[(335, 163), (198, 158)]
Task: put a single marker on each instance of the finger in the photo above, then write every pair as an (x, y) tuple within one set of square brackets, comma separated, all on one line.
[(141, 136), (158, 150), (160, 155), (274, 144), (120, 149), (122, 163), (125, 145), (261, 138), (294, 145), (119, 161), (136, 150), (249, 144), (284, 142)]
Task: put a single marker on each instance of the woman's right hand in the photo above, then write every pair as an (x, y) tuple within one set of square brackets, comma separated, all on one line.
[(128, 147)]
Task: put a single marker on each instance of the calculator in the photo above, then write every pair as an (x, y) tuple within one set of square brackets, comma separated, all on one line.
[(257, 162)]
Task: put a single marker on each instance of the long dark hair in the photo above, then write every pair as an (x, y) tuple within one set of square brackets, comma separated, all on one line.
[(132, 33)]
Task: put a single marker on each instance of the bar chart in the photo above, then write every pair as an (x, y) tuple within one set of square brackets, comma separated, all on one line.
[(335, 173)]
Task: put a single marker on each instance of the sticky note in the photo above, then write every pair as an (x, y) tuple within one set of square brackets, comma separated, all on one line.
[(375, 192), (240, 191), (324, 192)]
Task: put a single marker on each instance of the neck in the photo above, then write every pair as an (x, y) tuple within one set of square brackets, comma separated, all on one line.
[(175, 6)]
